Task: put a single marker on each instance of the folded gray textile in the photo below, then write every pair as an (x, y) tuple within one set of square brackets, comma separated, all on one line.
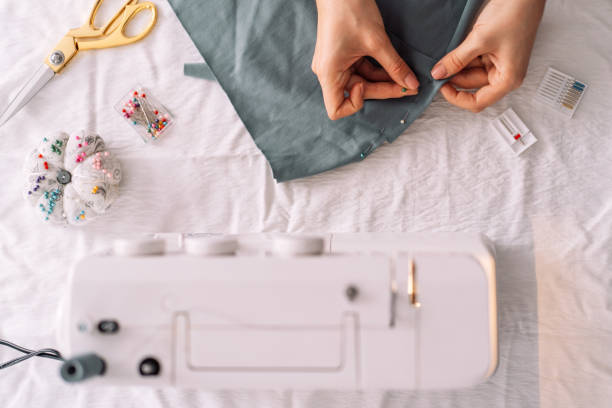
[(260, 51), (199, 70)]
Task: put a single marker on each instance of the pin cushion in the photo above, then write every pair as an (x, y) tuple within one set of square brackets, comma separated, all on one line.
[(71, 179)]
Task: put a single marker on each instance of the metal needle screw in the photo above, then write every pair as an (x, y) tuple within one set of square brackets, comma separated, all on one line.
[(56, 57)]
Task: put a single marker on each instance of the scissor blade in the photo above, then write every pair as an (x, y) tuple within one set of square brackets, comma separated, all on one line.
[(31, 88)]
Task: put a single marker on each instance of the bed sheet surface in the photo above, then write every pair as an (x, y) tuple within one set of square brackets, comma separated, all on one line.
[(549, 211)]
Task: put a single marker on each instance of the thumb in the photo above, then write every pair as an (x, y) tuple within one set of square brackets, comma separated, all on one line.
[(457, 59), (395, 66)]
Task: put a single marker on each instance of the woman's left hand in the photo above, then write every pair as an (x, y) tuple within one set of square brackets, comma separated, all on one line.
[(494, 56)]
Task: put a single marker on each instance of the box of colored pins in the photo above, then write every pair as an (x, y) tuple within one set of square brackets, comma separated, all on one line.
[(145, 114), (561, 92), (514, 132)]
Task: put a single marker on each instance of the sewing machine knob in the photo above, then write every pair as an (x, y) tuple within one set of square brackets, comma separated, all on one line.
[(297, 246), (82, 367), (210, 246), (108, 326), (351, 292), (139, 247), (149, 367)]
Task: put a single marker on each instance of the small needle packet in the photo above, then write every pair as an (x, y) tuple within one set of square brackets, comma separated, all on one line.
[(514, 132), (145, 114), (561, 91)]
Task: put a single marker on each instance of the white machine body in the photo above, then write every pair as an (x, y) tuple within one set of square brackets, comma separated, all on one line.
[(341, 311)]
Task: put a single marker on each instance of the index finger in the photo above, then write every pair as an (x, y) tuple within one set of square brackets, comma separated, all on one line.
[(477, 101), (380, 90)]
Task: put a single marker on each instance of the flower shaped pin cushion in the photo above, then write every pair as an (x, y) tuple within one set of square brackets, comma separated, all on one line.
[(71, 179)]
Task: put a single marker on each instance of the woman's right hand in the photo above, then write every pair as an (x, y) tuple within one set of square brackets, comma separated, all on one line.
[(347, 32)]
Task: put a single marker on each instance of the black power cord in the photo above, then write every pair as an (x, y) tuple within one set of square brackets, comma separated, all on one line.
[(46, 352), (75, 369)]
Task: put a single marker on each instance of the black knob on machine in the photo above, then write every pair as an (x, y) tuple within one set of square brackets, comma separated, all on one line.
[(108, 326), (149, 367)]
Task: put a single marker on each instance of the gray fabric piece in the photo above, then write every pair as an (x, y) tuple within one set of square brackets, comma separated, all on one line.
[(261, 52), (199, 70)]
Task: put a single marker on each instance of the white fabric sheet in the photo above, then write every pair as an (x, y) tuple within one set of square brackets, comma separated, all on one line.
[(549, 211)]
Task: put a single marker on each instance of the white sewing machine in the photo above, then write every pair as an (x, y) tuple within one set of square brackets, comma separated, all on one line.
[(342, 311)]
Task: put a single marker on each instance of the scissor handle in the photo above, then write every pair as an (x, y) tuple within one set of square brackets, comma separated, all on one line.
[(113, 33)]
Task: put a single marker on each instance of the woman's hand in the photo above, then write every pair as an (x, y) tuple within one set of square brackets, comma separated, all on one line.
[(494, 56), (347, 31)]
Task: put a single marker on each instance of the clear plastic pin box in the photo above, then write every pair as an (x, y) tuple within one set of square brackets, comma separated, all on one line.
[(144, 113), (513, 131)]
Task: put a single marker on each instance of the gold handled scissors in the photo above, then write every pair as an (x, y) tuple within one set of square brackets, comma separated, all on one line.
[(86, 37)]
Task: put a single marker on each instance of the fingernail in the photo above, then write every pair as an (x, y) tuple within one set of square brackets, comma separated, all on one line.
[(411, 81), (439, 71)]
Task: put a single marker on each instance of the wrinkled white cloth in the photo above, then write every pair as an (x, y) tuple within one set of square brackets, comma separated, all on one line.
[(549, 211)]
